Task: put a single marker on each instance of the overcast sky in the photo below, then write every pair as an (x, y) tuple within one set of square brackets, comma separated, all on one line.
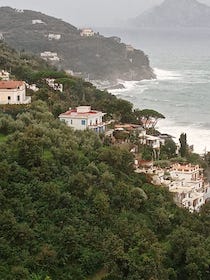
[(88, 12)]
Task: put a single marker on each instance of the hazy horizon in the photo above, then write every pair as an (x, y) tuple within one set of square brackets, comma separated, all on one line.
[(88, 13)]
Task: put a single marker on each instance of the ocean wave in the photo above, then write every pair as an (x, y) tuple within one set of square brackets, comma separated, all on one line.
[(164, 75), (129, 86), (198, 134)]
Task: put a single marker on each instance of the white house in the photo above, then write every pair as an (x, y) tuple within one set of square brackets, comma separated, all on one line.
[(13, 92), (32, 87), (87, 32), (165, 137), (37, 21), (56, 86), (50, 56), (53, 36), (189, 186), (186, 182), (83, 118), (153, 141), (187, 196), (188, 172)]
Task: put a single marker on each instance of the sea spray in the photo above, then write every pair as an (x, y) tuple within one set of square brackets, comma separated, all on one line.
[(173, 94)]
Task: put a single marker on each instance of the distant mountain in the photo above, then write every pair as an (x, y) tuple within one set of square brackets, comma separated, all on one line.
[(175, 14), (95, 57)]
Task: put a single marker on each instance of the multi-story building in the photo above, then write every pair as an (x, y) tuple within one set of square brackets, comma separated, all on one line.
[(189, 186), (87, 32), (13, 92), (83, 118), (186, 182)]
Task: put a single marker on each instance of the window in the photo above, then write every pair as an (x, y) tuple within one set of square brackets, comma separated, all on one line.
[(71, 121), (83, 122), (9, 98), (18, 98)]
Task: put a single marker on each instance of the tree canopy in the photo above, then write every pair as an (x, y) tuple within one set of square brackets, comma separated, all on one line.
[(148, 117), (73, 208)]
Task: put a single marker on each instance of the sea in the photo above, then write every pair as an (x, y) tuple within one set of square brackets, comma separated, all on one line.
[(181, 92)]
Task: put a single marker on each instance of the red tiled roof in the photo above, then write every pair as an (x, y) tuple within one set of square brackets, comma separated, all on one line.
[(146, 162), (75, 113), (10, 84)]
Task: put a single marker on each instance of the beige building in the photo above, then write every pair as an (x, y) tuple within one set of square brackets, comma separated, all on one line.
[(87, 32), (13, 92)]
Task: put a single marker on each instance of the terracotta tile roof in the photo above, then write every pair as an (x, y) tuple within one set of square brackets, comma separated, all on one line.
[(10, 84), (73, 113)]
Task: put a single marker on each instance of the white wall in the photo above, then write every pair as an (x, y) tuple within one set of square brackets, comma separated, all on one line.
[(76, 123), (13, 93)]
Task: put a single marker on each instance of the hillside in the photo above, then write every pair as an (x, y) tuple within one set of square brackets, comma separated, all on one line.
[(95, 57), (72, 207), (76, 91), (175, 14)]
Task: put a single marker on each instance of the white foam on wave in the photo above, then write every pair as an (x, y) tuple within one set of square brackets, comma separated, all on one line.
[(141, 86), (197, 134), (164, 75), (129, 86), (198, 137)]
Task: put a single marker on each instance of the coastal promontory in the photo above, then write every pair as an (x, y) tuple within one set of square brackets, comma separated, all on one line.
[(79, 51)]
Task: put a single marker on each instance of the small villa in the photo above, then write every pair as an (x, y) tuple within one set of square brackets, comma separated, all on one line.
[(37, 21), (49, 56), (87, 32), (13, 92), (83, 117), (52, 36), (188, 172)]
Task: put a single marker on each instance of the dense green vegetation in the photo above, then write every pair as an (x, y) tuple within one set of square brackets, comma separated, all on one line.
[(73, 208)]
